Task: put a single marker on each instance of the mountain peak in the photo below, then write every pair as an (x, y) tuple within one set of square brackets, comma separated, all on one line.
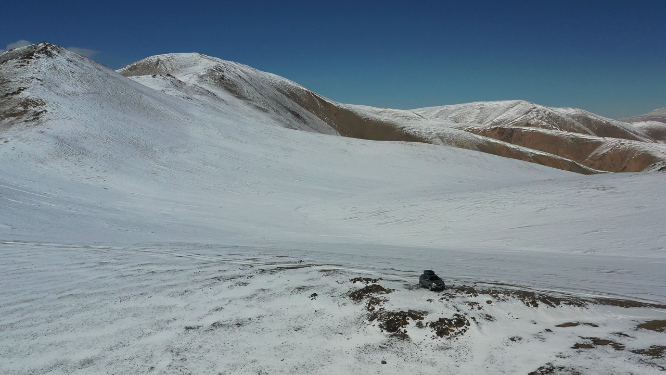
[(33, 51), (171, 63)]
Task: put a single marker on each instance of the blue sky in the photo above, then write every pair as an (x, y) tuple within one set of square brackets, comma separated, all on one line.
[(607, 57)]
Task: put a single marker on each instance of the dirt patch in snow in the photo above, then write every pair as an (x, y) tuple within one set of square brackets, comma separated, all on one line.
[(394, 322), (629, 304), (550, 369), (28, 109), (621, 334), (654, 351), (368, 291), (593, 342), (536, 299), (529, 298), (575, 324), (231, 324), (13, 93), (450, 327), (653, 325), (364, 280)]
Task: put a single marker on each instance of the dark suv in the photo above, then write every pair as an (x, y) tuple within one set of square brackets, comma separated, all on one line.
[(431, 281)]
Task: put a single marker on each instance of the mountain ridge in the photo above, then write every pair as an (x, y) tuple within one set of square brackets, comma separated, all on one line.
[(563, 138), (652, 124), (479, 126), (346, 120)]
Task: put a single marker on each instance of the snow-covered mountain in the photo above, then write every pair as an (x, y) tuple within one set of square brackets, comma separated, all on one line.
[(519, 113), (594, 141), (564, 138), (658, 115), (204, 217), (218, 83), (294, 106), (652, 124)]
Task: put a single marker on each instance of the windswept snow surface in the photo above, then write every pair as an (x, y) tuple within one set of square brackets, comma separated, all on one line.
[(145, 229)]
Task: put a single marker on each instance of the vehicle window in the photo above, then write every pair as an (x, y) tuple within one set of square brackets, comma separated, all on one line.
[(434, 278)]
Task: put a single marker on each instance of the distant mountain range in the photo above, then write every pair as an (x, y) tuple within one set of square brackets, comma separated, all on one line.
[(652, 124), (564, 138)]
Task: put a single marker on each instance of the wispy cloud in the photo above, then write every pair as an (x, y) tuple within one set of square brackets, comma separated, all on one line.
[(20, 43), (83, 51), (87, 52)]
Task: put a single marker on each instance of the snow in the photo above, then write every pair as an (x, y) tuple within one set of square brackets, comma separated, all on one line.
[(221, 84), (523, 113), (173, 308), (138, 215)]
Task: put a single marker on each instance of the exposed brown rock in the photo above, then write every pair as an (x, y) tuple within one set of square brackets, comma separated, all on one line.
[(349, 123), (457, 325), (606, 154), (653, 129), (575, 324), (654, 351), (653, 325)]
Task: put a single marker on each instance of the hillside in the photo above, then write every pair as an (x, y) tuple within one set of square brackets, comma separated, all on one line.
[(563, 138), (652, 124), (296, 107), (179, 140), (658, 115), (204, 221)]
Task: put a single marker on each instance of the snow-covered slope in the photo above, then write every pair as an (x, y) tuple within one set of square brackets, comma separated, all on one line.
[(104, 131), (658, 115), (111, 156), (652, 124), (655, 129), (221, 82), (519, 113), (160, 225), (564, 138), (591, 140)]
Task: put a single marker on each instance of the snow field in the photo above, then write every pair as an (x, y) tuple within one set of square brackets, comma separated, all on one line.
[(150, 226), (180, 308)]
